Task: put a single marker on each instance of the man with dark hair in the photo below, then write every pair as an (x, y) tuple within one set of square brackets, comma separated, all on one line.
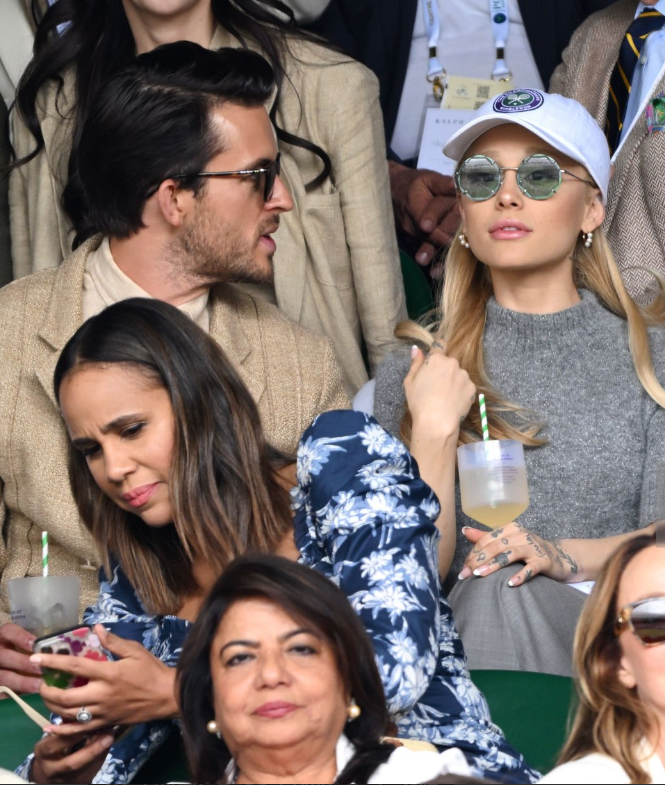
[(179, 166)]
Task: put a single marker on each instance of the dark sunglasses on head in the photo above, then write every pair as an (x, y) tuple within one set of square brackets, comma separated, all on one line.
[(269, 174), (538, 177), (646, 619)]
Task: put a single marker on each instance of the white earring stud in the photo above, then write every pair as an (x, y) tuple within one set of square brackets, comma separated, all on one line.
[(588, 239), (463, 241), (212, 728)]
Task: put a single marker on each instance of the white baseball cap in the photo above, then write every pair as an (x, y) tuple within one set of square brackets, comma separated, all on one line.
[(561, 122)]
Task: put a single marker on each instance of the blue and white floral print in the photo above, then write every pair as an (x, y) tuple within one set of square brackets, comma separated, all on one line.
[(364, 518)]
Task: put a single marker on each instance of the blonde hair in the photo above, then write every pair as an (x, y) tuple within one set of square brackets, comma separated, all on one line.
[(610, 718), (460, 325)]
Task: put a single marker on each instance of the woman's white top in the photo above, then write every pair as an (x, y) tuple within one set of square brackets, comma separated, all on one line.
[(408, 766), (599, 769)]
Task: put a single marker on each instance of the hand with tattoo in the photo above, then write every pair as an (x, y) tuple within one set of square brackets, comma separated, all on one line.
[(513, 543)]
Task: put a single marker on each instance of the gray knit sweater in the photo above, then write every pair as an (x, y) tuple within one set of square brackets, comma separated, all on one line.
[(601, 472)]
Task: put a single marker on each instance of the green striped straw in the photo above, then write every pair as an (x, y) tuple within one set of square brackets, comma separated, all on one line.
[(45, 554), (483, 418)]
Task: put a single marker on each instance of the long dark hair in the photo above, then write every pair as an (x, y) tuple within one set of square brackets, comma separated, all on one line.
[(611, 719), (94, 38), (305, 595), (225, 495)]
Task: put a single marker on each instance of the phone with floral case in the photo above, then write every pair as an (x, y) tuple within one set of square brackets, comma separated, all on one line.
[(75, 642)]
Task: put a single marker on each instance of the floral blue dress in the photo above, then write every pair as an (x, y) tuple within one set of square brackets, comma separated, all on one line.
[(364, 518)]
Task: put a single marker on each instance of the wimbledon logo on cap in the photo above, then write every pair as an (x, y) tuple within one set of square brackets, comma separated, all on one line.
[(518, 101)]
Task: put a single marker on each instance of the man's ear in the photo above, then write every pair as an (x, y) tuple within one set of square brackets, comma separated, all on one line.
[(174, 202), (595, 214)]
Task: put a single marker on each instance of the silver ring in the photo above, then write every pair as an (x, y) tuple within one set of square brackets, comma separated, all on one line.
[(83, 715)]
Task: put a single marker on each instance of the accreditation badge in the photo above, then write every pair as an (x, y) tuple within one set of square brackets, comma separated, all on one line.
[(464, 92), (463, 95)]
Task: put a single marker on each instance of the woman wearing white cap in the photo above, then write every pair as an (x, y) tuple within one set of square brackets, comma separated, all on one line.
[(534, 309)]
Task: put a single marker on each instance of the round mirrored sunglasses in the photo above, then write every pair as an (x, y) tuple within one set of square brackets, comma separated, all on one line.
[(644, 618), (538, 177)]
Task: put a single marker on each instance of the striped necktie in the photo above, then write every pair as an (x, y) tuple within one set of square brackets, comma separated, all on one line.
[(620, 82)]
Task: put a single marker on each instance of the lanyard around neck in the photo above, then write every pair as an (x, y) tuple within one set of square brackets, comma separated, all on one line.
[(500, 26)]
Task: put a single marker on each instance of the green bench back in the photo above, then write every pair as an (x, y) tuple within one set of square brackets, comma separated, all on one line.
[(532, 709)]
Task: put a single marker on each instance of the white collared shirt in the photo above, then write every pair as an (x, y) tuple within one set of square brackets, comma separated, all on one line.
[(104, 284), (649, 70)]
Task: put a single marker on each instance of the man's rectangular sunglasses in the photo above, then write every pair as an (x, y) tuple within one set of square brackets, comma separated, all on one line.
[(269, 174), (538, 177), (646, 619)]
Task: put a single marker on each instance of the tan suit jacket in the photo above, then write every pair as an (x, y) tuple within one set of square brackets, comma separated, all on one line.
[(337, 269), (292, 375), (635, 220)]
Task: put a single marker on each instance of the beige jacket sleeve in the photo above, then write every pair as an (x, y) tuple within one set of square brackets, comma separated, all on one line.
[(356, 145), (40, 232)]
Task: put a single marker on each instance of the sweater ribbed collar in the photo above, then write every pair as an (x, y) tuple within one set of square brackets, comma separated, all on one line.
[(549, 326)]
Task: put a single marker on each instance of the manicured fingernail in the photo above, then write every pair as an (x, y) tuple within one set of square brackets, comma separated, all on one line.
[(414, 352), (427, 225), (36, 659), (510, 583), (422, 258), (481, 571), (464, 574), (106, 741), (465, 528)]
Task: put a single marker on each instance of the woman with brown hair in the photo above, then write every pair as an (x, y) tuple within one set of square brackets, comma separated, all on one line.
[(172, 475), (618, 735), (278, 682)]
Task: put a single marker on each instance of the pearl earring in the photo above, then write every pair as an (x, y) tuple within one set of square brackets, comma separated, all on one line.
[(588, 239), (463, 241), (354, 711), (212, 728)]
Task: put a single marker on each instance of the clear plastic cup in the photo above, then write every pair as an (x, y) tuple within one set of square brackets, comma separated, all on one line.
[(493, 481), (44, 605)]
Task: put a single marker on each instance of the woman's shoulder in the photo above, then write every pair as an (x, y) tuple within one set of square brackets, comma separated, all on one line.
[(323, 66), (593, 768)]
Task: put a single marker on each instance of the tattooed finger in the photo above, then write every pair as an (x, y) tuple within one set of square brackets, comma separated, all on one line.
[(504, 541), (521, 577), (501, 559), (481, 557), (497, 532)]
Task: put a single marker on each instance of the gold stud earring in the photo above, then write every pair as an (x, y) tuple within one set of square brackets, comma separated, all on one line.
[(353, 711)]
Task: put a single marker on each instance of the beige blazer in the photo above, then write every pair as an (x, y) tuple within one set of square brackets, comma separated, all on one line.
[(292, 375), (635, 220), (337, 269), (16, 39)]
